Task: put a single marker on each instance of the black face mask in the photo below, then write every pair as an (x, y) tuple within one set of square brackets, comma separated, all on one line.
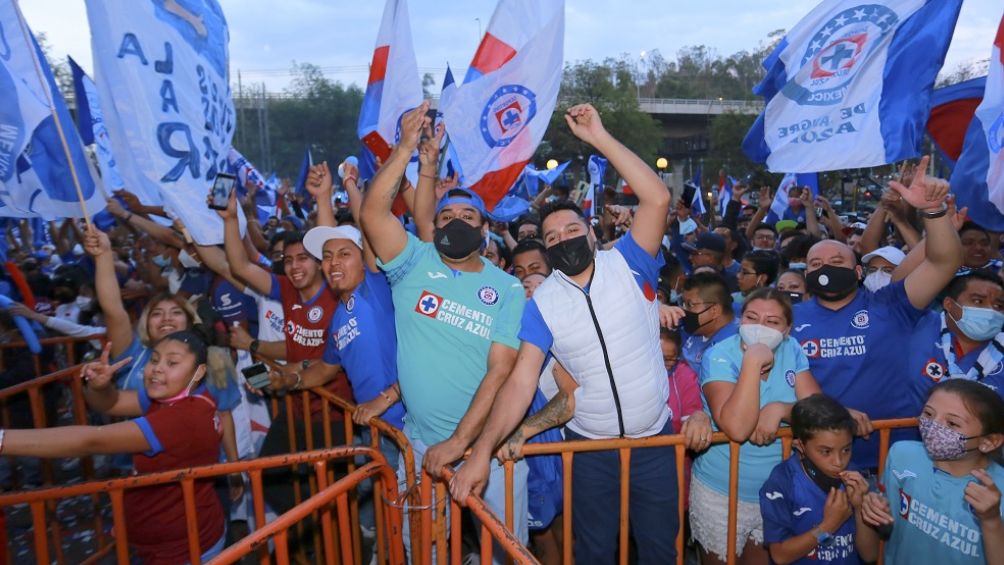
[(821, 479), (830, 282), (690, 320), (457, 239), (571, 256)]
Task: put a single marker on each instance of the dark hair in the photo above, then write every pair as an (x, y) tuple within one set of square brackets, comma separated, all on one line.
[(712, 287), (789, 234), (557, 206), (971, 226), (798, 247), (961, 282), (819, 413), (765, 226), (984, 403), (195, 343), (528, 219), (764, 262), (528, 245), (770, 293), (672, 336), (505, 256)]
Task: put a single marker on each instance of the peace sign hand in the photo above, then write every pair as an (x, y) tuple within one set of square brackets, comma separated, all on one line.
[(99, 374)]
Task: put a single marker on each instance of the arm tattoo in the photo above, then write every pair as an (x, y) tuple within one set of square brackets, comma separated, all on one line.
[(554, 413)]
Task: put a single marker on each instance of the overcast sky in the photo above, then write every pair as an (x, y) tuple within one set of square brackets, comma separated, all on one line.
[(266, 36)]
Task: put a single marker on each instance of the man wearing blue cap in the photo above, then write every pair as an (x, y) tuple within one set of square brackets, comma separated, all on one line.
[(457, 319)]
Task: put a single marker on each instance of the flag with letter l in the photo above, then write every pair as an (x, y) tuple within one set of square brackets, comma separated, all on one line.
[(978, 177), (42, 161), (162, 71), (850, 85), (511, 90)]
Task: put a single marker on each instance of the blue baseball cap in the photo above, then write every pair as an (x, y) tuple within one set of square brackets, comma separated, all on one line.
[(462, 196)]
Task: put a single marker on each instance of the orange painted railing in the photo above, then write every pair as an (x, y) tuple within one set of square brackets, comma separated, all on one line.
[(69, 342), (567, 450), (40, 500)]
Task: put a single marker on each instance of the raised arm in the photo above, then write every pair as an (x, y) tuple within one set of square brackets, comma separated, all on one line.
[(76, 441), (257, 278), (763, 206), (106, 284), (101, 394), (319, 186), (424, 211), (382, 229), (811, 220), (163, 234), (653, 198)]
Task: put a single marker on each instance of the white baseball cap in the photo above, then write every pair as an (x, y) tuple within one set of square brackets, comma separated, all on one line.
[(892, 254), (315, 239)]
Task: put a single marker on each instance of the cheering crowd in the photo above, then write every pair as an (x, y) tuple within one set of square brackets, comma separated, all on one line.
[(475, 337)]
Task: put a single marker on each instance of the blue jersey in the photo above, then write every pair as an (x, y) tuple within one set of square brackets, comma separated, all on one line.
[(928, 364), (363, 342), (932, 517), (694, 346), (234, 306), (792, 504), (857, 355), (722, 363)]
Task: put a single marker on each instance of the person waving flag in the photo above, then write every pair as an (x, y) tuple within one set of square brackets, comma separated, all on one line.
[(511, 87), (850, 85)]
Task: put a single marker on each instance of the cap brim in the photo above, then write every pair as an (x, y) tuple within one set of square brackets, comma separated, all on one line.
[(315, 239)]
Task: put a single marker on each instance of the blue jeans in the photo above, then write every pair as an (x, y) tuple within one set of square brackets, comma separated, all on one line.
[(494, 497), (653, 503)]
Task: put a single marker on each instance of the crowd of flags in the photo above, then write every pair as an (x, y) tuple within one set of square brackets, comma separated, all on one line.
[(849, 86)]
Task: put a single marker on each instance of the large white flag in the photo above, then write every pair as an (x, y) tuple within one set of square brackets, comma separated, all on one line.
[(162, 71)]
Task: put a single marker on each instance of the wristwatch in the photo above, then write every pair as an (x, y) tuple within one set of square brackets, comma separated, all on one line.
[(253, 348), (935, 215), (823, 537)]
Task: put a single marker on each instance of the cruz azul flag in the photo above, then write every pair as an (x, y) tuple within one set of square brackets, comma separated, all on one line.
[(952, 108), (91, 123), (42, 161), (597, 169), (725, 185), (162, 72), (394, 86), (779, 206), (850, 85), (511, 89), (245, 171), (978, 177)]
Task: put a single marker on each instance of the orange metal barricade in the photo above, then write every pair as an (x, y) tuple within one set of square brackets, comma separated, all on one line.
[(67, 341), (333, 545), (568, 449)]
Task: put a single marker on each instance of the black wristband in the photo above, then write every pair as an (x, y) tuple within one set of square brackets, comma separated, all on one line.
[(253, 348), (935, 215)]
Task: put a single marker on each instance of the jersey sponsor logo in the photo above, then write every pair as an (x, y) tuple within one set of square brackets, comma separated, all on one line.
[(789, 377), (225, 299), (934, 370), (488, 295), (801, 327), (829, 347), (315, 314), (860, 319), (274, 320), (436, 275), (773, 495), (290, 327), (953, 531), (801, 511), (347, 333), (428, 304)]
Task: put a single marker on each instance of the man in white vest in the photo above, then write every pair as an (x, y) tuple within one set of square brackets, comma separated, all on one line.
[(597, 314)]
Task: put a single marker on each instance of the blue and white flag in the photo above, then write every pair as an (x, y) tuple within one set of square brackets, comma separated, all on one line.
[(697, 203), (850, 85), (43, 168), (91, 124), (978, 177), (301, 178), (244, 170), (162, 72), (779, 206), (725, 194), (597, 167)]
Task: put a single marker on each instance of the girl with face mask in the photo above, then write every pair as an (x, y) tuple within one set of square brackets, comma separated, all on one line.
[(750, 382), (951, 477), (171, 424)]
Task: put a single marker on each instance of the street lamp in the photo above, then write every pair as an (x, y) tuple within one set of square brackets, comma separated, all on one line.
[(661, 163), (552, 164)]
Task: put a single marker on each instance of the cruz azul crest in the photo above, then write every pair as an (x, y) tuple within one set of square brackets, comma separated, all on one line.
[(837, 52), (508, 111)]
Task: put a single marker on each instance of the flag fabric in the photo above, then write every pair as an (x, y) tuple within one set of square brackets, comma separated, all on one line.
[(850, 85), (697, 203), (393, 88), (301, 178), (245, 171), (780, 203), (511, 88), (91, 124), (725, 193), (978, 178), (597, 167), (162, 71), (952, 108), (38, 143)]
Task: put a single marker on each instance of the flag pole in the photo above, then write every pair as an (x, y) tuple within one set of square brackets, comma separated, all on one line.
[(55, 115)]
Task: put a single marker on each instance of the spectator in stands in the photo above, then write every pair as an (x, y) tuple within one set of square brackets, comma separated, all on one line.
[(792, 282), (529, 256), (978, 252), (708, 316), (758, 270)]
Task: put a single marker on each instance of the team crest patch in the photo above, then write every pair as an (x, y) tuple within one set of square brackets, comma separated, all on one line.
[(811, 348), (837, 52), (488, 295), (904, 504), (351, 304), (934, 370), (789, 377), (860, 319), (428, 304), (508, 111), (290, 328), (315, 314)]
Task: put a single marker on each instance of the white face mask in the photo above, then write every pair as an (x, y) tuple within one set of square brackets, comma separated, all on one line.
[(756, 333), (187, 261), (878, 280)]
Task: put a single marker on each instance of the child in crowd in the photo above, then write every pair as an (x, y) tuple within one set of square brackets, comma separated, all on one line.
[(173, 425), (808, 501), (946, 490)]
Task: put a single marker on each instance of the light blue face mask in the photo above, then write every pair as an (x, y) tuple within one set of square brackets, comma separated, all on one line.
[(980, 324), (161, 261), (674, 297), (797, 266)]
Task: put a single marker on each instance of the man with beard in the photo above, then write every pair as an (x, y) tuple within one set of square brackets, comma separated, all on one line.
[(597, 314)]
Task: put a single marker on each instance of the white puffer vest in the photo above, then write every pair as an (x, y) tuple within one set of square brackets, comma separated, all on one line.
[(609, 341)]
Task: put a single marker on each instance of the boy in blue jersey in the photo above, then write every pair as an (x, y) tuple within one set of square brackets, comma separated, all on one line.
[(854, 338), (808, 501)]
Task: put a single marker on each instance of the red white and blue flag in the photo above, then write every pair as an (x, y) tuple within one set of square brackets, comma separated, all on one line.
[(952, 108), (850, 85), (512, 88), (394, 86), (978, 177)]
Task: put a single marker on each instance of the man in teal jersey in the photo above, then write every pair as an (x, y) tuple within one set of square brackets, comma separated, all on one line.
[(457, 319)]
